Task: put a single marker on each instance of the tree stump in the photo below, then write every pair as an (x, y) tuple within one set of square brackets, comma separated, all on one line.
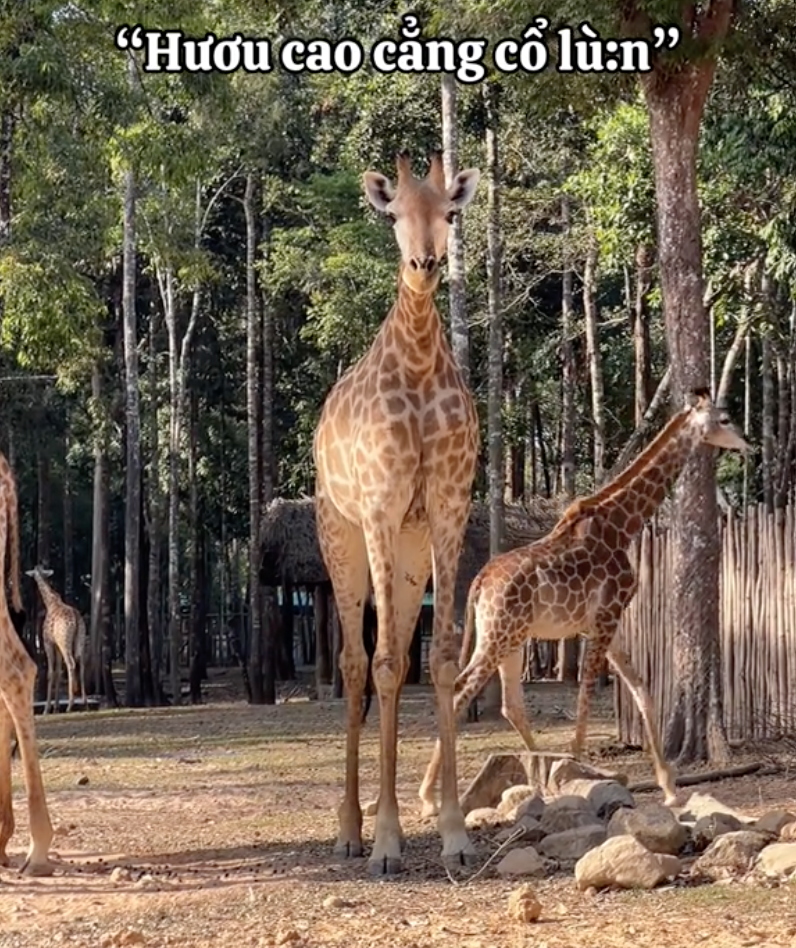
[(501, 771)]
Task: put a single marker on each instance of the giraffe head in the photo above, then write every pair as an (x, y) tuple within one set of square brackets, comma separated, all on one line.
[(421, 211), (712, 425), (39, 571)]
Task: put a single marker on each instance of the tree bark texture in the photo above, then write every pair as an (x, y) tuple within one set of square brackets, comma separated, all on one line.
[(675, 100), (594, 357)]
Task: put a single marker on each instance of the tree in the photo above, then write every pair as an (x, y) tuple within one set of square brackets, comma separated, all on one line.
[(675, 92)]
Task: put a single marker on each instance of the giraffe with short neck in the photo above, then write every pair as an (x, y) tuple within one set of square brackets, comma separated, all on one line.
[(579, 580), (64, 635), (395, 451), (17, 683)]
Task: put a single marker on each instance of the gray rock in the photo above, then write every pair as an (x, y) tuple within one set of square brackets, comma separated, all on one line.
[(571, 845), (708, 828), (512, 797), (531, 831), (730, 854), (773, 822), (531, 806), (566, 813), (606, 796), (703, 804), (483, 816), (521, 862), (622, 862), (653, 825)]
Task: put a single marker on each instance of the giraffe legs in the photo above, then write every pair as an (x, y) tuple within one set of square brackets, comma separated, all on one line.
[(513, 699), (596, 649), (664, 772), (16, 687), (6, 808), (52, 670), (412, 569), (344, 551), (69, 661)]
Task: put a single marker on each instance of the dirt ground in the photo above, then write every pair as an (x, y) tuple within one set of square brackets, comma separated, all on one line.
[(213, 826)]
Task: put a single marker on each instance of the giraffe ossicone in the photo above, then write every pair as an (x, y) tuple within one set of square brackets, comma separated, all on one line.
[(578, 580), (395, 451)]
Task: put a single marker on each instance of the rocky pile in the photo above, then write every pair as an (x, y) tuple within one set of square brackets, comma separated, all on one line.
[(588, 822)]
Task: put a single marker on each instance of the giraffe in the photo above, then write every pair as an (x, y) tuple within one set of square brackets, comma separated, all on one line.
[(579, 580), (64, 632), (395, 452), (17, 682)]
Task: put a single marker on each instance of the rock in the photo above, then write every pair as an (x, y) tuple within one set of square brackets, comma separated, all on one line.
[(606, 796), (788, 832), (773, 821), (671, 865), (730, 854), (708, 828), (563, 771), (499, 772), (565, 813), (483, 816), (531, 831), (653, 825), (120, 874), (777, 861), (524, 906), (570, 845), (82, 781), (512, 797), (703, 804), (532, 806), (521, 862), (335, 902), (622, 862), (371, 808)]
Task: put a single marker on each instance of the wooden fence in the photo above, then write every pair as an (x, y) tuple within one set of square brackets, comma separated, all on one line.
[(757, 626)]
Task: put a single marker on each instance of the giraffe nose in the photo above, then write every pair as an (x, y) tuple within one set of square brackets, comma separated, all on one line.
[(427, 263)]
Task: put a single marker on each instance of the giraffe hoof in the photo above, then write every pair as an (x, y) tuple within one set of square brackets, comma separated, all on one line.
[(459, 851), (429, 808), (348, 849), (385, 866), (37, 869)]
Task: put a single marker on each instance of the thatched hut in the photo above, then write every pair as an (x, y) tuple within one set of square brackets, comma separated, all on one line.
[(291, 556)]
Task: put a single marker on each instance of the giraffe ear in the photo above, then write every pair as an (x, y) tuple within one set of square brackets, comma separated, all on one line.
[(379, 190), (699, 398), (462, 189)]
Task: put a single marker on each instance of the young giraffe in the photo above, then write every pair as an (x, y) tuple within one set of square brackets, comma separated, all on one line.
[(17, 682), (395, 451), (579, 580), (64, 630)]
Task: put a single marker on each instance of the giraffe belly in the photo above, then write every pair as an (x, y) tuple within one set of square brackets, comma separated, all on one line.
[(551, 631)]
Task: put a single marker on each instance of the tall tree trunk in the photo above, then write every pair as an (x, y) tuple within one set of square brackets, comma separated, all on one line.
[(645, 261), (492, 693), (154, 590), (147, 682), (7, 127), (198, 580), (323, 644), (594, 358), (768, 409), (132, 531), (568, 369), (675, 99), (460, 332), (568, 648), (252, 412), (42, 556), (268, 485), (99, 534), (69, 556)]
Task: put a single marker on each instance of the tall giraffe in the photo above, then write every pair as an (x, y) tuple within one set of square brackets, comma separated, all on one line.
[(17, 682), (64, 632), (579, 580), (395, 450)]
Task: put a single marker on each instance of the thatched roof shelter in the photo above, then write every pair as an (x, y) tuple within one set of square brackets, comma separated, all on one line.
[(290, 552)]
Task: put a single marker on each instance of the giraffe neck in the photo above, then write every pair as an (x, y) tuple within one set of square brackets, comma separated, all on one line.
[(634, 497), (414, 326), (49, 596)]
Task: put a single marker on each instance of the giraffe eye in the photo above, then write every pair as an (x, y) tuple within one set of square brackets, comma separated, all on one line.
[(450, 217), (390, 218)]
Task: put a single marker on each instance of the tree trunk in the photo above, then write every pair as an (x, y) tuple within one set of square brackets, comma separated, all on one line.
[(460, 332), (675, 100), (645, 261), (768, 408), (69, 556), (568, 369), (323, 656), (7, 127), (147, 683), (594, 358), (256, 657), (154, 590), (42, 558), (267, 453), (132, 531), (198, 572)]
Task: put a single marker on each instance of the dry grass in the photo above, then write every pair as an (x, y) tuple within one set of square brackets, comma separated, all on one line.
[(222, 818)]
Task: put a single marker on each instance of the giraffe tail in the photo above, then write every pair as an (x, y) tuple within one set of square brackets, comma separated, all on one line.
[(13, 548), (469, 623)]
